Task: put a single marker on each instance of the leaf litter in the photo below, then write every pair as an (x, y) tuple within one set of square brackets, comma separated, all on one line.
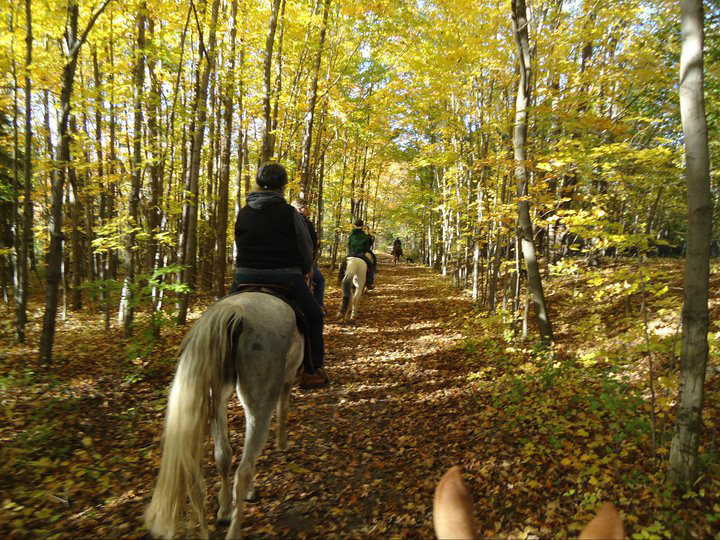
[(422, 382)]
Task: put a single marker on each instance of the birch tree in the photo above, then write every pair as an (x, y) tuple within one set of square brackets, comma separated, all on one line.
[(694, 355), (520, 28)]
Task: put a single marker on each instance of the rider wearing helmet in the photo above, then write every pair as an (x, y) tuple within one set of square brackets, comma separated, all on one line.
[(274, 247)]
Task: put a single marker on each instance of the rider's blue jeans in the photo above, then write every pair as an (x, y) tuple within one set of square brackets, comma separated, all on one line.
[(318, 285), (305, 299)]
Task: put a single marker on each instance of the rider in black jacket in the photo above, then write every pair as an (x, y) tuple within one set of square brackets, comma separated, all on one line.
[(273, 246)]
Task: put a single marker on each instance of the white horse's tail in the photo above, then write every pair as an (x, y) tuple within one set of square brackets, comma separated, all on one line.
[(196, 385), (346, 292)]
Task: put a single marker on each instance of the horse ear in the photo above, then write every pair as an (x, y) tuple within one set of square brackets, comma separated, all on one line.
[(607, 524), (452, 507)]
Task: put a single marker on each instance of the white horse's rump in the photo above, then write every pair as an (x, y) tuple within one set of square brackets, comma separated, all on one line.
[(248, 342), (352, 284)]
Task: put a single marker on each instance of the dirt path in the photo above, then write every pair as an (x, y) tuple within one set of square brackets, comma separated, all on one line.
[(369, 449)]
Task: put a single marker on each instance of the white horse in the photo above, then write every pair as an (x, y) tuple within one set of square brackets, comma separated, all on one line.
[(248, 342), (353, 285)]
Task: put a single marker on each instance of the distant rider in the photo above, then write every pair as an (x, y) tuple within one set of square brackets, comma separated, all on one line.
[(358, 245)]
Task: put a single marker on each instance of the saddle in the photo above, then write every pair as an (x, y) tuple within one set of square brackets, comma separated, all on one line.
[(283, 293)]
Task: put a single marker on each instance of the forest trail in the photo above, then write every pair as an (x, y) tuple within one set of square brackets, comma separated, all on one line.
[(369, 449)]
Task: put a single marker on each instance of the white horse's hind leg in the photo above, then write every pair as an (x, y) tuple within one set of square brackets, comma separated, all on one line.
[(282, 412), (223, 455), (256, 433), (360, 285)]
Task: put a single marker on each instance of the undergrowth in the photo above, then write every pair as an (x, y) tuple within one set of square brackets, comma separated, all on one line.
[(581, 407)]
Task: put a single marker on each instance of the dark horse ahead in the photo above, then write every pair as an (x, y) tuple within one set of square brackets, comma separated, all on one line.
[(397, 251)]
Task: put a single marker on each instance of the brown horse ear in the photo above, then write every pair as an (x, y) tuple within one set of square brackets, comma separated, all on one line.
[(452, 507), (606, 525)]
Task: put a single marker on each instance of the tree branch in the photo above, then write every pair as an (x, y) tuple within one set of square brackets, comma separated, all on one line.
[(79, 43)]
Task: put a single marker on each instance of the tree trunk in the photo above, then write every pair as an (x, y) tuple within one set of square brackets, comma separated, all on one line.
[(267, 145), (338, 214), (128, 301), (25, 246), (694, 355), (278, 83), (13, 233), (74, 199), (112, 161), (154, 213), (72, 45), (207, 240), (194, 172), (310, 114), (520, 27), (224, 184)]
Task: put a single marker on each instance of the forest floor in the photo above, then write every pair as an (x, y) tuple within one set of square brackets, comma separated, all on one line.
[(422, 382)]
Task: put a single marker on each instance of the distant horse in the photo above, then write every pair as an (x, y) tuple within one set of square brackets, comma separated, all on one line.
[(353, 285), (248, 342), (397, 252)]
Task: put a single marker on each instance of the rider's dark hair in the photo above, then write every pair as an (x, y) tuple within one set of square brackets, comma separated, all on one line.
[(359, 223), (271, 176)]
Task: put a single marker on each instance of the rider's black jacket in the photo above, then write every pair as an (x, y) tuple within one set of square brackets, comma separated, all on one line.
[(267, 238)]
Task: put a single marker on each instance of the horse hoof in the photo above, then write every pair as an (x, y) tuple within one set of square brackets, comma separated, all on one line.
[(252, 497), (223, 522)]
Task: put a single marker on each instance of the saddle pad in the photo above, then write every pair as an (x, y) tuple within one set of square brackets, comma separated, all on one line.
[(278, 291)]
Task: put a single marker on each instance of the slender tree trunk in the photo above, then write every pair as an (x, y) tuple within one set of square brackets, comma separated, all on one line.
[(310, 114), (75, 203), (267, 146), (206, 243), (25, 243), (112, 162), (278, 84), (224, 184), (13, 231), (338, 214), (127, 313), (694, 355), (194, 172), (154, 213), (72, 45), (520, 26), (91, 260)]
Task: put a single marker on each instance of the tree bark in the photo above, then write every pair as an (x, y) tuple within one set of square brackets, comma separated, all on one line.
[(267, 146), (224, 184), (194, 173), (112, 160), (310, 114), (154, 213), (25, 243), (74, 200), (278, 83), (131, 249), (520, 27), (72, 43), (694, 355), (11, 233)]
